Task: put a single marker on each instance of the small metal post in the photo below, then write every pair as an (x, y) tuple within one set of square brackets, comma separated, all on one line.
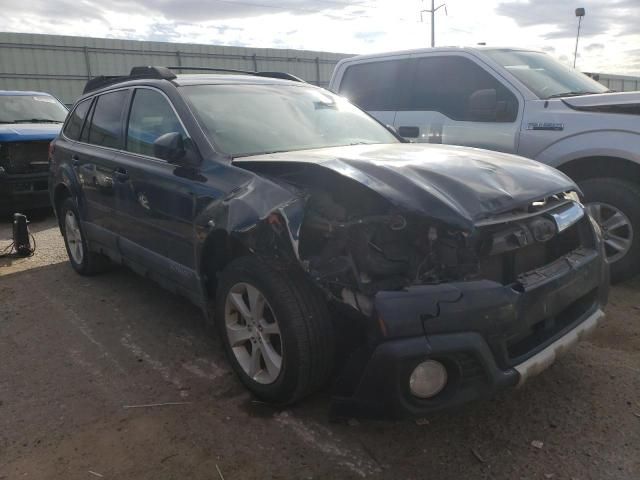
[(579, 13), (179, 59), (87, 62)]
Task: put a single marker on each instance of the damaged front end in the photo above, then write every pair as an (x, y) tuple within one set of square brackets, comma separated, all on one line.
[(356, 252), (479, 296)]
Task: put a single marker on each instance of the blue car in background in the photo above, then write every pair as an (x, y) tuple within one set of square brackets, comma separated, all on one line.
[(28, 122)]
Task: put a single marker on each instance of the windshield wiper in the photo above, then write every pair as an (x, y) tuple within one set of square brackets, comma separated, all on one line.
[(36, 120), (571, 94)]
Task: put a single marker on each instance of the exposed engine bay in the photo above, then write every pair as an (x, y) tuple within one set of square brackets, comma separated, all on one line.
[(357, 247), (358, 250)]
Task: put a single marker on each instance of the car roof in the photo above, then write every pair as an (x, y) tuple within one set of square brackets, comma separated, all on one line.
[(13, 93)]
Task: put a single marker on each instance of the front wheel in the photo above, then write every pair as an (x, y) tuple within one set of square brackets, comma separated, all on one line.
[(276, 330), (615, 205), (83, 261)]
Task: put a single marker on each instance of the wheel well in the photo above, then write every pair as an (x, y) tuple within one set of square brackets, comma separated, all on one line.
[(60, 193), (219, 249), (594, 167)]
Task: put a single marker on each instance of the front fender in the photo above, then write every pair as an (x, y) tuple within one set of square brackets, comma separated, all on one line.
[(602, 143), (246, 215)]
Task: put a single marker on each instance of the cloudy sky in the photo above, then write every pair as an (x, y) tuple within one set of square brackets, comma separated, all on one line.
[(610, 39)]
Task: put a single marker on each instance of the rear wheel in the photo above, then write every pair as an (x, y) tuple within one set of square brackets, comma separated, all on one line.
[(83, 261), (276, 330), (615, 205)]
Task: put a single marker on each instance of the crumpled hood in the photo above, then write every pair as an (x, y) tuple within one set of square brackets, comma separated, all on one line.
[(23, 132), (616, 102), (457, 185)]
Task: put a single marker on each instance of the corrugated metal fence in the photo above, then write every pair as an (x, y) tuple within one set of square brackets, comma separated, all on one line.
[(61, 64), (619, 83)]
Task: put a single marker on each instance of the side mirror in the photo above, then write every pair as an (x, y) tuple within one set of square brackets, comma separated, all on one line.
[(396, 133), (483, 106), (171, 147)]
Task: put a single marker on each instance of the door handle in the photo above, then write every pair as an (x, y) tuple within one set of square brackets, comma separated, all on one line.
[(75, 160), (409, 132), (121, 174)]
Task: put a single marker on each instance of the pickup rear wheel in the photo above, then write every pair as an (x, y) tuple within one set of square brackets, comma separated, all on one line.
[(276, 330), (83, 261), (615, 205)]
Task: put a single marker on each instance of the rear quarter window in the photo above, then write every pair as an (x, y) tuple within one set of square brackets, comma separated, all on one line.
[(73, 128), (375, 86), (106, 124)]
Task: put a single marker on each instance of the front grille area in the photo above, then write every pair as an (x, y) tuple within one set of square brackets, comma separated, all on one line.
[(24, 157), (542, 331), (511, 250)]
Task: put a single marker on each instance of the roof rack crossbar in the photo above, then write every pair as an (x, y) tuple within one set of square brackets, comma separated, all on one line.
[(166, 73)]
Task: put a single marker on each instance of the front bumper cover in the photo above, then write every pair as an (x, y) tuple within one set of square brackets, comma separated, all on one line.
[(23, 191), (489, 336)]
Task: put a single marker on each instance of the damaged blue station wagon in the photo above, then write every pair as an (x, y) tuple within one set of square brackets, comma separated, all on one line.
[(410, 277)]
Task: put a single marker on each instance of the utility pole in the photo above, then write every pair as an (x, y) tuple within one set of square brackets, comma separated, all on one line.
[(433, 11), (579, 13)]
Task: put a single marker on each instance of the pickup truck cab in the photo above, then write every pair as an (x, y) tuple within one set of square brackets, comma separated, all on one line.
[(28, 122), (515, 101)]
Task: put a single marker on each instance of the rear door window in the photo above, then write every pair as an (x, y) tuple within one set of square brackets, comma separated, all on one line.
[(151, 116), (106, 124), (376, 86), (458, 88), (76, 120)]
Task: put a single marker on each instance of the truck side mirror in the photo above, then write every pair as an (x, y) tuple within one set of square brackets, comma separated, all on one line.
[(483, 106)]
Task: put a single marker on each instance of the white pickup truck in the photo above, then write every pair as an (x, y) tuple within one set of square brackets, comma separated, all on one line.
[(516, 101)]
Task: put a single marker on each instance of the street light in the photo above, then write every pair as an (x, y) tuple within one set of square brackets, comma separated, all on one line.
[(579, 13)]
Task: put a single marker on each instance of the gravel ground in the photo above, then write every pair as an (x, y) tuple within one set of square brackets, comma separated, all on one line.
[(79, 356)]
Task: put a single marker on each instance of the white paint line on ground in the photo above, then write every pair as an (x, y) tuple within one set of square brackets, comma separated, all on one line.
[(69, 314), (163, 370), (214, 372), (316, 436)]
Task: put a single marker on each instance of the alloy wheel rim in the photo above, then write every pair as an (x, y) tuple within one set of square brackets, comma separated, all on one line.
[(73, 236), (617, 230), (253, 333)]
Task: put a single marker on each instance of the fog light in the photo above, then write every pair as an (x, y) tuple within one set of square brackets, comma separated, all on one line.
[(428, 379)]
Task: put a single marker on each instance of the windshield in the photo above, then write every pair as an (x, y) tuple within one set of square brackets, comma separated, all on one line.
[(31, 109), (246, 120), (543, 75)]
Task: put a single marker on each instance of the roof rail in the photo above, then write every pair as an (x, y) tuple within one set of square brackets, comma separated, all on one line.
[(160, 73), (212, 69), (165, 73), (102, 81), (280, 75)]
